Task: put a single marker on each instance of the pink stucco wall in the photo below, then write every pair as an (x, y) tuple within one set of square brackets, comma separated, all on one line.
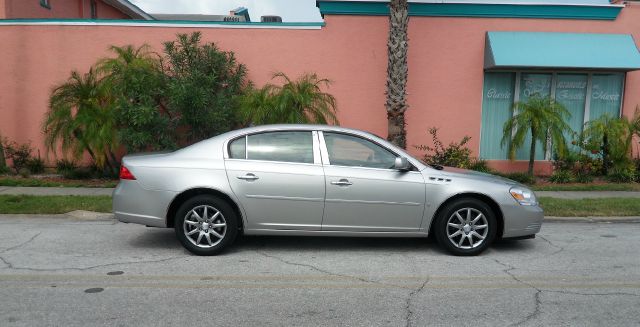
[(445, 66)]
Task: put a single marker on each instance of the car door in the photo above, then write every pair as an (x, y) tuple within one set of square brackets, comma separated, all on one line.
[(363, 192), (278, 178)]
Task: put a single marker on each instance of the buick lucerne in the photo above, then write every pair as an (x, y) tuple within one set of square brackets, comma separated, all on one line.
[(317, 180)]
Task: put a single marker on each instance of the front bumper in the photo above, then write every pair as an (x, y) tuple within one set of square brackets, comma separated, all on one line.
[(521, 220), (134, 204)]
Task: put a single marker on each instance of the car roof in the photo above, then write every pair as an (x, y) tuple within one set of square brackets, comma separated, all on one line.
[(292, 127)]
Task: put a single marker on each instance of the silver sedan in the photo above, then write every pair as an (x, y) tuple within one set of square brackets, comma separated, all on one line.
[(317, 181)]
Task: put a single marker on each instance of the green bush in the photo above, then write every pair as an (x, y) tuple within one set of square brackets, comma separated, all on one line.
[(137, 84), (481, 166), (523, 178), (453, 155), (24, 172), (35, 165), (203, 84), (609, 138), (81, 173), (583, 178), (64, 165), (20, 154), (622, 174), (561, 177)]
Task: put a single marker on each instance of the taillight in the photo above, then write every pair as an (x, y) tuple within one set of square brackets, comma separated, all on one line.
[(126, 174)]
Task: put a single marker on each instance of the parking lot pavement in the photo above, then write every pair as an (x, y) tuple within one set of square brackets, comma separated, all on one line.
[(63, 272)]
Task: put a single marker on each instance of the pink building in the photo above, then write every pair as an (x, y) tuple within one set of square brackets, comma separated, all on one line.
[(94, 9), (468, 62)]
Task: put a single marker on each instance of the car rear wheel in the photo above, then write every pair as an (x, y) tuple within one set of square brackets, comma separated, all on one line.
[(206, 225), (466, 227)]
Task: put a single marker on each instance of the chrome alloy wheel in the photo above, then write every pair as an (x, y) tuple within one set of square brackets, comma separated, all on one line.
[(467, 228), (204, 226)]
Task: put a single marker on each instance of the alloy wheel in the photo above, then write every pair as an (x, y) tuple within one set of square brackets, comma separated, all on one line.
[(204, 226), (467, 228)]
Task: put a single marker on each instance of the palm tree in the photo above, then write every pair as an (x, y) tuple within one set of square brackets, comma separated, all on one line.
[(80, 118), (397, 71), (611, 137), (3, 161), (542, 118), (295, 102)]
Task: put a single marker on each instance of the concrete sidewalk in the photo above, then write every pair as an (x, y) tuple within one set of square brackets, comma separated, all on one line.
[(15, 190)]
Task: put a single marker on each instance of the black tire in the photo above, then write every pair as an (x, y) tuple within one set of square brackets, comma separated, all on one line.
[(468, 247), (227, 216)]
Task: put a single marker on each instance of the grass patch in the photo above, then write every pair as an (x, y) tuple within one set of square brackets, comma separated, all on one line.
[(52, 204), (590, 207), (588, 187), (55, 182)]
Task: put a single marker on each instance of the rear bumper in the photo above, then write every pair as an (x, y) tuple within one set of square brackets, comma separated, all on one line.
[(521, 220), (134, 204)]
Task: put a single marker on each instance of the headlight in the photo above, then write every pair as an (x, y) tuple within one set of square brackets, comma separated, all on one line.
[(523, 196)]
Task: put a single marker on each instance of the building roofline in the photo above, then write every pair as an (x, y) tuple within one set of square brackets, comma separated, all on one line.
[(129, 9)]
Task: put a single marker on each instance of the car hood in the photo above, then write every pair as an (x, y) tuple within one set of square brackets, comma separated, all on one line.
[(472, 174)]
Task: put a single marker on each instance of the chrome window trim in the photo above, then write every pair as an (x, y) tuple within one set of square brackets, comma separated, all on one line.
[(327, 162), (314, 140)]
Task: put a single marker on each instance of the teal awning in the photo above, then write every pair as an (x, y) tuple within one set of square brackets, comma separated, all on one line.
[(535, 50)]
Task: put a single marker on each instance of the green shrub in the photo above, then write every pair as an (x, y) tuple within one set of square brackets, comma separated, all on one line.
[(203, 84), (20, 154), (453, 155), (4, 170), (35, 165), (610, 139), (481, 166), (622, 174), (64, 165), (583, 178), (81, 173), (24, 172), (523, 178), (561, 177)]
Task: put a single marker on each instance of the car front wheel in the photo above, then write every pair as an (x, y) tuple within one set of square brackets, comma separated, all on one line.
[(466, 227), (206, 225)]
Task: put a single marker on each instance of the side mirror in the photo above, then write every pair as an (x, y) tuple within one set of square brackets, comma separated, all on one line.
[(402, 164)]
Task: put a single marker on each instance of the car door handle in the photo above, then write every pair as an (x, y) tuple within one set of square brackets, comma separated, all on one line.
[(342, 182), (248, 177)]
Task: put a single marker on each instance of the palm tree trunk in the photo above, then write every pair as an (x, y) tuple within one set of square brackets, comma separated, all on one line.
[(532, 151), (3, 161), (115, 163), (397, 72)]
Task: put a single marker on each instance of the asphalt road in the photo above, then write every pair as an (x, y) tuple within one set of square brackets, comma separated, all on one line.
[(62, 272)]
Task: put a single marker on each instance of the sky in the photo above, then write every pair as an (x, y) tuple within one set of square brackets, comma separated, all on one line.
[(289, 10)]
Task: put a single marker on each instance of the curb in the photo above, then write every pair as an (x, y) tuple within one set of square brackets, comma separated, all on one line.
[(608, 220)]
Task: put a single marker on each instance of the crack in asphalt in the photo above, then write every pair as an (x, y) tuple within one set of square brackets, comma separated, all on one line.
[(327, 272), (10, 265), (560, 248), (536, 297), (86, 268), (5, 261), (408, 312)]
